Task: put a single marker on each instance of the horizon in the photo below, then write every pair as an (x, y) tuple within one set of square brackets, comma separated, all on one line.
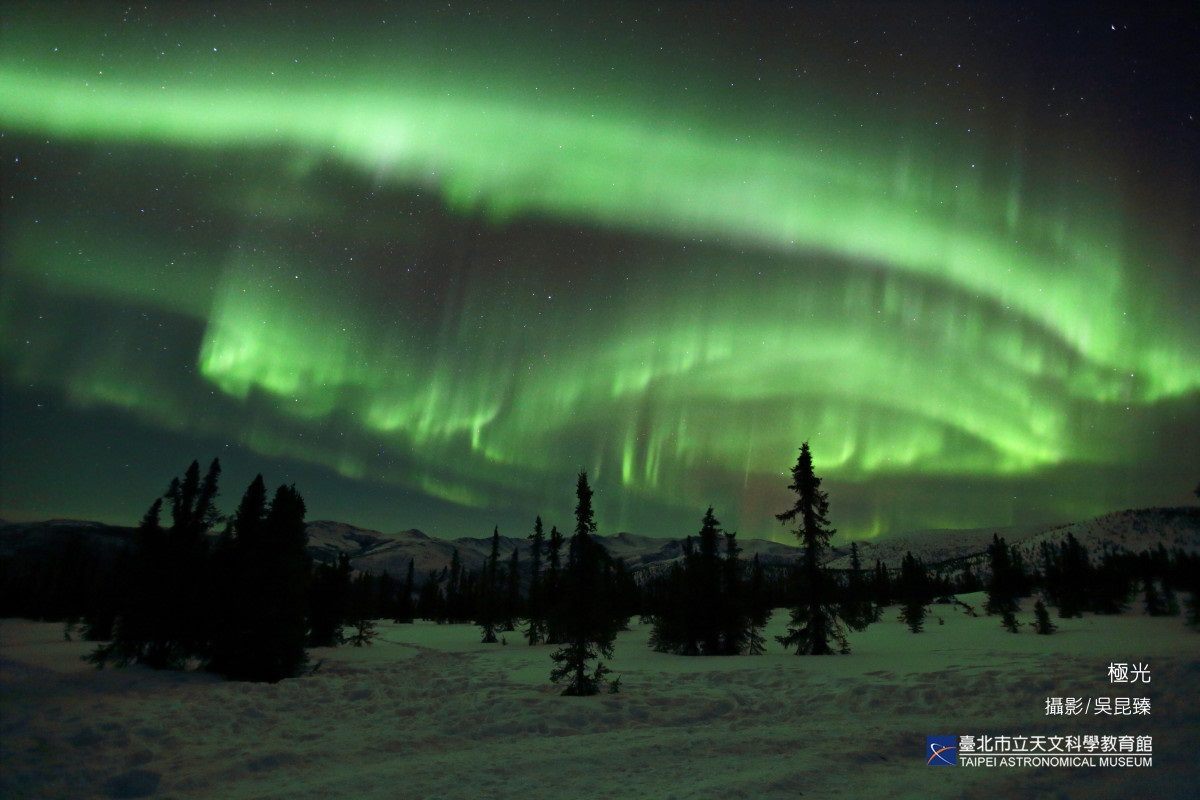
[(838, 541)]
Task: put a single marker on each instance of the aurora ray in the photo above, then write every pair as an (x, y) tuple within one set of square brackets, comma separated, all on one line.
[(497, 280)]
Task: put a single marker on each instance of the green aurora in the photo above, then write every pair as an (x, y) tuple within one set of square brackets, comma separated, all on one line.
[(455, 271)]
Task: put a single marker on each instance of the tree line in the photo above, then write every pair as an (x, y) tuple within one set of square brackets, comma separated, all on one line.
[(240, 596)]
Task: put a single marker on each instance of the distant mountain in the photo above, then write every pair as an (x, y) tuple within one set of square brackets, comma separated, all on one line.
[(36, 539), (1133, 529), (375, 551)]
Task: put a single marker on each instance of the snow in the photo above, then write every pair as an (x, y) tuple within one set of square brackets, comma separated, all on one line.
[(429, 712)]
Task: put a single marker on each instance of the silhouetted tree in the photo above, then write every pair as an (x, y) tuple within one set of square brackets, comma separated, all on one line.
[(1068, 576), (512, 592), (144, 630), (270, 587), (364, 632), (881, 586), (760, 607), (430, 599), (1155, 606), (536, 629), (403, 610), (1002, 586), (968, 581), (329, 602), (914, 593), (232, 590), (455, 608), (487, 615), (587, 620), (856, 607), (1042, 623), (701, 606), (1111, 584), (815, 620), (553, 586)]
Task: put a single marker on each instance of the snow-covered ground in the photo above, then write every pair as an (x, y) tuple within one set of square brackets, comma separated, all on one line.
[(429, 712)]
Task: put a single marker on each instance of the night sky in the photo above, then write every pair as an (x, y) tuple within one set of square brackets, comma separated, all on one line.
[(430, 262)]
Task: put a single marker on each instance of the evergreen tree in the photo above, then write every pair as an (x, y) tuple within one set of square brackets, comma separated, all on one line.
[(553, 586), (270, 587), (856, 608), (914, 592), (403, 610), (143, 626), (193, 515), (881, 588), (161, 618), (760, 607), (1155, 606), (1042, 623), (1192, 604), (1170, 603), (968, 582), (701, 607), (329, 602), (815, 621), (1069, 579), (587, 621), (512, 592), (536, 630), (455, 605), (740, 631), (364, 632), (487, 616), (235, 630), (363, 607), (387, 595), (430, 601), (1111, 584), (1004, 583)]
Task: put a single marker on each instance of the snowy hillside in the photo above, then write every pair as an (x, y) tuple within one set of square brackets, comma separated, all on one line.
[(429, 712)]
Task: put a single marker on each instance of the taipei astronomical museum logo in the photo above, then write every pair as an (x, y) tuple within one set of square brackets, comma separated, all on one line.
[(941, 751)]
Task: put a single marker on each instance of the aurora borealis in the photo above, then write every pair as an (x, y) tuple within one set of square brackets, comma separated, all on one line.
[(429, 262)]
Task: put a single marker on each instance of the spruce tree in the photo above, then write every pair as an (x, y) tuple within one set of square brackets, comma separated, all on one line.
[(329, 602), (512, 592), (815, 620), (1153, 601), (914, 592), (857, 608), (270, 587), (587, 621), (740, 630), (1070, 583), (1042, 623), (701, 606), (455, 607), (193, 514), (364, 632), (235, 630), (430, 600), (403, 610), (536, 630), (760, 607), (488, 614), (141, 630), (1003, 584), (881, 586), (553, 586)]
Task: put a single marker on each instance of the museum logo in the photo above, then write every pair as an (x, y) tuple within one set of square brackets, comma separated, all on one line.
[(941, 751)]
